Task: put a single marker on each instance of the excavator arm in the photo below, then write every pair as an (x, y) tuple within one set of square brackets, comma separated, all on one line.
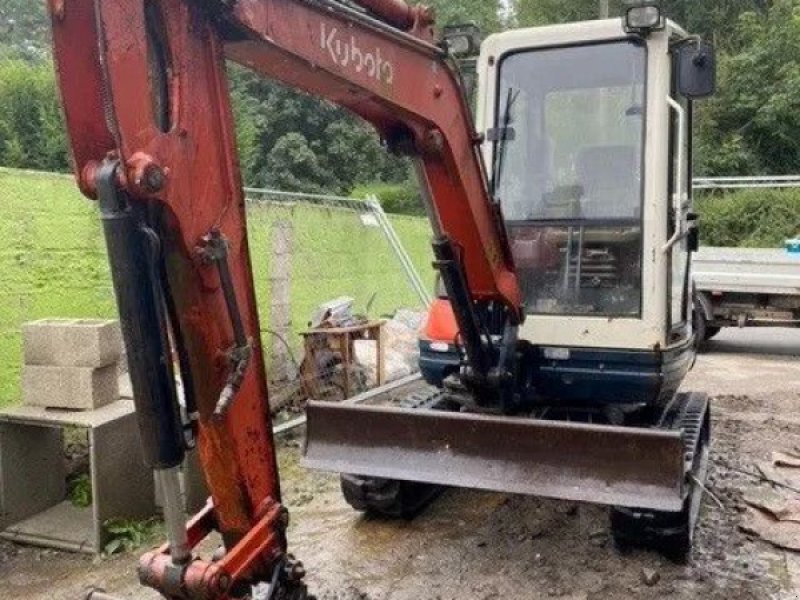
[(147, 107)]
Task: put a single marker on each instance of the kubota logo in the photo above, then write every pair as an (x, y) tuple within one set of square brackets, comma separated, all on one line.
[(348, 54)]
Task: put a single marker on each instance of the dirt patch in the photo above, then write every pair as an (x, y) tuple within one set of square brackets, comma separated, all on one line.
[(475, 545), (479, 545)]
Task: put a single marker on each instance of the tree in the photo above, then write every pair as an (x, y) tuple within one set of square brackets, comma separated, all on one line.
[(751, 125), (713, 20), (486, 14), (531, 13), (289, 139), (327, 148), (24, 30), (31, 126)]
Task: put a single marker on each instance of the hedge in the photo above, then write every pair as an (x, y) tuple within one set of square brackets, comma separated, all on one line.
[(749, 218), (401, 199)]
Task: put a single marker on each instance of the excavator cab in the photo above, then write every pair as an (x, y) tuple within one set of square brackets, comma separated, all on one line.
[(586, 131), (589, 147)]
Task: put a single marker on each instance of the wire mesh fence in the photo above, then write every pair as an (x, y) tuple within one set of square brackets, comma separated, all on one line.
[(306, 250)]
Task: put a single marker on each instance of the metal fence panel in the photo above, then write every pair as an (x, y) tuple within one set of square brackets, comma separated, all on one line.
[(306, 249), (743, 183)]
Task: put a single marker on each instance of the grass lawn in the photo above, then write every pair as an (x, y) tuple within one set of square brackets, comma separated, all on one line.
[(53, 261)]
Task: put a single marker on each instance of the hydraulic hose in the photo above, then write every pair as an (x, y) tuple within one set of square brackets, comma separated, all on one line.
[(394, 12)]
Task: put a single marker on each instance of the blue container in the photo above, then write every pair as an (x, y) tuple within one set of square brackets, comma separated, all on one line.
[(793, 246)]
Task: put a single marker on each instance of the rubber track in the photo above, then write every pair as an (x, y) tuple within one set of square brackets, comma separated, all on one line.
[(390, 497), (672, 533)]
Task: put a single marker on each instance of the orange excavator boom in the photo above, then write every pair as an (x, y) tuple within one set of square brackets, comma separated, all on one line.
[(147, 108)]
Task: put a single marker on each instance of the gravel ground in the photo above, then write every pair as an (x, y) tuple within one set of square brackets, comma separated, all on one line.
[(481, 545)]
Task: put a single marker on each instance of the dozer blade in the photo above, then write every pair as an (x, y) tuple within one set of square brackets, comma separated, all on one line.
[(623, 466)]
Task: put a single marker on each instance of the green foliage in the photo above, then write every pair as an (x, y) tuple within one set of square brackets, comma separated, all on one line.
[(127, 535), (486, 14), (31, 127), (401, 199), (710, 19), (751, 126), (24, 30), (715, 21), (80, 490), (294, 141), (749, 218), (531, 13)]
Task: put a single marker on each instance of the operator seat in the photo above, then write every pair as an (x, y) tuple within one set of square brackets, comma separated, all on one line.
[(610, 179)]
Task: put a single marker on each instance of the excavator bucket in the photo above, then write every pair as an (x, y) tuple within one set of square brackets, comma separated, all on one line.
[(622, 466)]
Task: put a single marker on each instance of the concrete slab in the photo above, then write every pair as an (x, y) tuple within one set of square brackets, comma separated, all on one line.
[(39, 415), (32, 470), (122, 486), (64, 526)]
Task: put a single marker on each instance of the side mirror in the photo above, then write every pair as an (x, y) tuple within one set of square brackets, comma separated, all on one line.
[(696, 64)]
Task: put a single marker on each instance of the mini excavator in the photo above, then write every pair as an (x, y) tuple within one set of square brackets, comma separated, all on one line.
[(562, 233)]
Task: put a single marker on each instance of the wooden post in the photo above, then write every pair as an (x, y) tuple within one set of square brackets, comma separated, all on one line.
[(604, 9), (281, 366), (380, 375)]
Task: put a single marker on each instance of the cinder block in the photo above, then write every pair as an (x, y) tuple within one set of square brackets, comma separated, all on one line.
[(33, 506), (72, 342), (32, 472), (76, 388)]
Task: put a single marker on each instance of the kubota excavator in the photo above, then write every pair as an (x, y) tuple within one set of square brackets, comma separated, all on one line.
[(565, 265)]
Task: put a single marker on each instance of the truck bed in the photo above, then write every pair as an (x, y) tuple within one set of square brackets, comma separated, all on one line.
[(747, 270)]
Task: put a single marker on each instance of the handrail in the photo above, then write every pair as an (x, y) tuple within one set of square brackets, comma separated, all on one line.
[(679, 193)]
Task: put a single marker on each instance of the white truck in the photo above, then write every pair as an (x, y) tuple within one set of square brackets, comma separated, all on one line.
[(745, 287)]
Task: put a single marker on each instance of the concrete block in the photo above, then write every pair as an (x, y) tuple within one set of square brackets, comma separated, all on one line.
[(33, 508), (122, 485), (32, 472), (72, 342), (76, 388)]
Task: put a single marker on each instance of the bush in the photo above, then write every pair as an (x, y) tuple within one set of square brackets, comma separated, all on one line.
[(749, 218), (31, 126), (401, 199)]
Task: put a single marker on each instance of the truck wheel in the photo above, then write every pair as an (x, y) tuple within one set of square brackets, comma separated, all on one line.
[(387, 497), (700, 330)]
